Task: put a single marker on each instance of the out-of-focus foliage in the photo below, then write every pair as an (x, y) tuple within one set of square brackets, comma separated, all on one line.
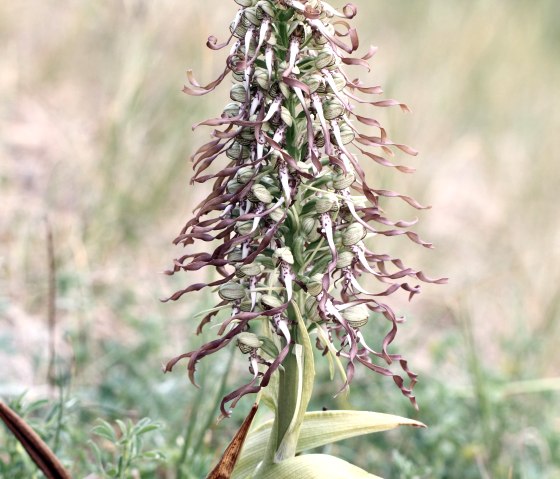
[(95, 134)]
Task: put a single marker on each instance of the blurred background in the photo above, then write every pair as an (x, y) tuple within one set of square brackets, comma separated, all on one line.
[(94, 144)]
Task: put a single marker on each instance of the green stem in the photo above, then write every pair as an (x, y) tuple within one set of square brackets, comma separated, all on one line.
[(289, 399), (294, 392)]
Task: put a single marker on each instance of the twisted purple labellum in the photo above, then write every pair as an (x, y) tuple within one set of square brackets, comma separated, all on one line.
[(282, 204)]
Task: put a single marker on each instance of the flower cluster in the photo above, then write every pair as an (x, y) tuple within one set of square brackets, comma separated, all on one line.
[(291, 206)]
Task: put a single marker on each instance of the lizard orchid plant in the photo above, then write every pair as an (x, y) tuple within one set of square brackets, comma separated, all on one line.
[(288, 223)]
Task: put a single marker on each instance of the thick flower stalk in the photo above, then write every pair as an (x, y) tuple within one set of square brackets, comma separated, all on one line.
[(291, 208)]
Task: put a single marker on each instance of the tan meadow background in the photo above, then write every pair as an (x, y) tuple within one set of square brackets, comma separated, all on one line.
[(94, 143)]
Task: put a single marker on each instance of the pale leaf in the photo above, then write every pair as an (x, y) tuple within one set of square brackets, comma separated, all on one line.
[(315, 466), (319, 428)]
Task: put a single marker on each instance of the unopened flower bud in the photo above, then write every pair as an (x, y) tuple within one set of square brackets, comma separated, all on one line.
[(261, 77), (353, 234), (244, 3), (286, 116), (246, 136), (346, 133), (314, 288), (235, 255), (245, 174), (271, 301), (344, 259), (310, 228), (356, 316), (339, 80), (239, 31), (324, 60), (234, 186), (237, 151), (247, 305), (248, 342), (332, 109), (253, 15), (231, 291), (273, 91), (276, 215), (260, 193), (342, 181), (319, 139), (311, 311), (245, 228), (238, 93), (313, 82), (238, 76), (248, 270), (284, 254), (324, 204), (231, 110), (308, 224), (267, 8)]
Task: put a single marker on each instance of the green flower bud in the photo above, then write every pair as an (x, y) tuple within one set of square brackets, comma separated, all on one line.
[(245, 174), (346, 133), (238, 93), (319, 138), (244, 3), (261, 77), (342, 181), (311, 311), (333, 109), (273, 91), (339, 80), (286, 116), (356, 316), (276, 215), (319, 38), (314, 288), (253, 15), (235, 255), (324, 60), (267, 8), (326, 203), (244, 228), (233, 186), (313, 82), (248, 342), (231, 291), (322, 89), (284, 254), (246, 136), (248, 270), (239, 31), (231, 110), (272, 301), (285, 90), (260, 193), (237, 151), (247, 305), (353, 234), (345, 259), (308, 225), (238, 75)]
